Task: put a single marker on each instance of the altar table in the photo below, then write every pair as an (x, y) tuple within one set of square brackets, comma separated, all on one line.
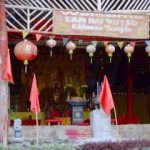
[(27, 122)]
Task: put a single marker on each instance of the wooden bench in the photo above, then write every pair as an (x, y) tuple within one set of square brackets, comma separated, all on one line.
[(82, 123), (49, 121), (27, 122)]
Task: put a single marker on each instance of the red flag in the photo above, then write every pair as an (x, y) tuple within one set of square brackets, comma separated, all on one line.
[(132, 43), (106, 99), (7, 73), (34, 99), (38, 36)]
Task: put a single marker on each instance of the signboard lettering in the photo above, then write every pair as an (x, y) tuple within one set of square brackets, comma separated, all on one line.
[(82, 133), (98, 24)]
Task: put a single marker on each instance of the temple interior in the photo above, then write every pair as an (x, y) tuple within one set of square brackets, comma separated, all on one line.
[(53, 73)]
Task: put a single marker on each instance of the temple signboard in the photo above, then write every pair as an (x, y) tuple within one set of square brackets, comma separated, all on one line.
[(131, 26)]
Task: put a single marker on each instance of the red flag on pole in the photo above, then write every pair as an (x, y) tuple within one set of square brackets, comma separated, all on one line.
[(106, 99), (7, 73), (34, 99)]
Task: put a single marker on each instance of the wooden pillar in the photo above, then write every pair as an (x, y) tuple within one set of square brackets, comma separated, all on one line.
[(129, 94), (3, 83)]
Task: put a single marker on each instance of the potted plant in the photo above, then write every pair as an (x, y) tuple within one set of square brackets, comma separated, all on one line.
[(83, 89), (68, 88)]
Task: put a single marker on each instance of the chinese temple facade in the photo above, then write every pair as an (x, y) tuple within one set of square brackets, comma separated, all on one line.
[(83, 22)]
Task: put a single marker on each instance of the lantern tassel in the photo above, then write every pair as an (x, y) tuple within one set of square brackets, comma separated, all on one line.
[(25, 68), (70, 57), (51, 53), (110, 59), (91, 60), (129, 60), (25, 63)]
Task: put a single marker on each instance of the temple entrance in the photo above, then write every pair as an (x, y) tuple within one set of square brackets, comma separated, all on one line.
[(83, 28)]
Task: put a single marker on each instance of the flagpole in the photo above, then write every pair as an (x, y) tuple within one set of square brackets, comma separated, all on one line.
[(116, 119), (37, 130), (35, 106)]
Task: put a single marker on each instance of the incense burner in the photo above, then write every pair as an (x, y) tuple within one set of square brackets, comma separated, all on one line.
[(96, 102)]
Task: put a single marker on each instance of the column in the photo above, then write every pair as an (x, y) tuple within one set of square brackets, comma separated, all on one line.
[(3, 83), (129, 94)]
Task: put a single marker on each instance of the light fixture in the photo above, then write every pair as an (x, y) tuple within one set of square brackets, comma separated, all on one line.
[(110, 49), (147, 49), (25, 51), (51, 43), (70, 46), (129, 49), (91, 50)]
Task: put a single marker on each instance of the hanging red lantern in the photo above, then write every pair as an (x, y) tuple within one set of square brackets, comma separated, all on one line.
[(147, 49), (91, 50), (129, 49), (25, 51), (70, 46), (51, 43)]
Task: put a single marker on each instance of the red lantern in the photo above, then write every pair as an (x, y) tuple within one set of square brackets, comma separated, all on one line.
[(25, 51)]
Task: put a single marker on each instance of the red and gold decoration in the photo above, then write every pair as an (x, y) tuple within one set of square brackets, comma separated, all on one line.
[(70, 46), (110, 49), (129, 49), (25, 51), (147, 49), (91, 50), (51, 43)]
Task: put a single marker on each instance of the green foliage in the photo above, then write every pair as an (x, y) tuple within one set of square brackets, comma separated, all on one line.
[(68, 88), (10, 115), (2, 147), (83, 88), (55, 146), (15, 147), (118, 145)]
